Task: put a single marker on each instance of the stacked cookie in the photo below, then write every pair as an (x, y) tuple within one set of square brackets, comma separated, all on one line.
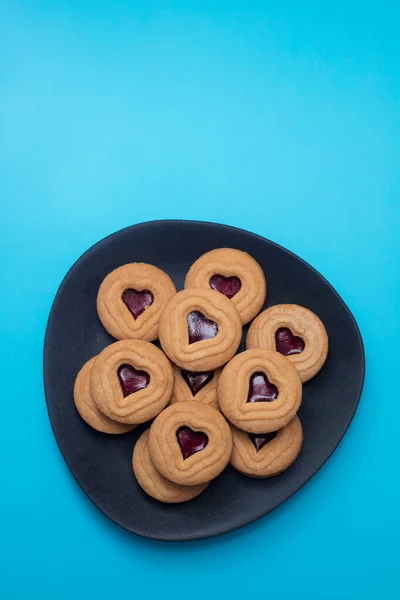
[(209, 405)]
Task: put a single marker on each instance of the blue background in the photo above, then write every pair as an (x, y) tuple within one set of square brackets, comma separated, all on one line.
[(279, 117)]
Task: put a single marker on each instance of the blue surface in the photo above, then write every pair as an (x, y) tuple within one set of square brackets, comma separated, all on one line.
[(281, 118)]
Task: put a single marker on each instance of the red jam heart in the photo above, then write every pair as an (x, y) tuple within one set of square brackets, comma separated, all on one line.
[(131, 380), (200, 328), (261, 389), (287, 343), (229, 286), (196, 381), (137, 302), (190, 441), (260, 439)]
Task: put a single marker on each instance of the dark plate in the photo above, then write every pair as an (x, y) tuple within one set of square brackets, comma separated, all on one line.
[(101, 464)]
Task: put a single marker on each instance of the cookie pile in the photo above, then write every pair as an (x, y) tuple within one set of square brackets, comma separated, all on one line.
[(210, 405)]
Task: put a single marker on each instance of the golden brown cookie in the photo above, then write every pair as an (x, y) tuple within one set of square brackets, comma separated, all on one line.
[(259, 391), (295, 332), (189, 385), (190, 443), (153, 483), (200, 330), (131, 381), (87, 408), (130, 301), (233, 273), (264, 455)]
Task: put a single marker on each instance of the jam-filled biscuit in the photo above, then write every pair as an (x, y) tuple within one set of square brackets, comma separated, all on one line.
[(131, 381), (295, 332), (190, 443), (88, 409), (189, 385), (259, 391), (233, 273), (153, 483), (266, 454), (130, 301), (200, 330)]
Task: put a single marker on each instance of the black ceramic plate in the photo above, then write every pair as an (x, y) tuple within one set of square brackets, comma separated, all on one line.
[(101, 463)]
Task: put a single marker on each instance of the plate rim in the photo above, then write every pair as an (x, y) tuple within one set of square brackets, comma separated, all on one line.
[(214, 224)]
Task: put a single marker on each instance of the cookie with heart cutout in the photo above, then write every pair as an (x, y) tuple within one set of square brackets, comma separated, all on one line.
[(266, 454), (153, 483), (295, 332), (233, 273), (131, 381), (190, 443), (130, 301), (200, 330), (201, 387), (88, 409), (259, 391)]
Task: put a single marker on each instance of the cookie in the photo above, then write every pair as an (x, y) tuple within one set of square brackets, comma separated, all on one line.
[(293, 331), (201, 387), (153, 483), (190, 443), (88, 409), (233, 273), (259, 391), (131, 381), (264, 455), (130, 301), (200, 330)]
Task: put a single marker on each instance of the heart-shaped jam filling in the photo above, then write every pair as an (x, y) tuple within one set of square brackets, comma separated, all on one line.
[(196, 381), (260, 439), (261, 389), (131, 380), (200, 328), (137, 302), (287, 343), (190, 441), (228, 286)]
